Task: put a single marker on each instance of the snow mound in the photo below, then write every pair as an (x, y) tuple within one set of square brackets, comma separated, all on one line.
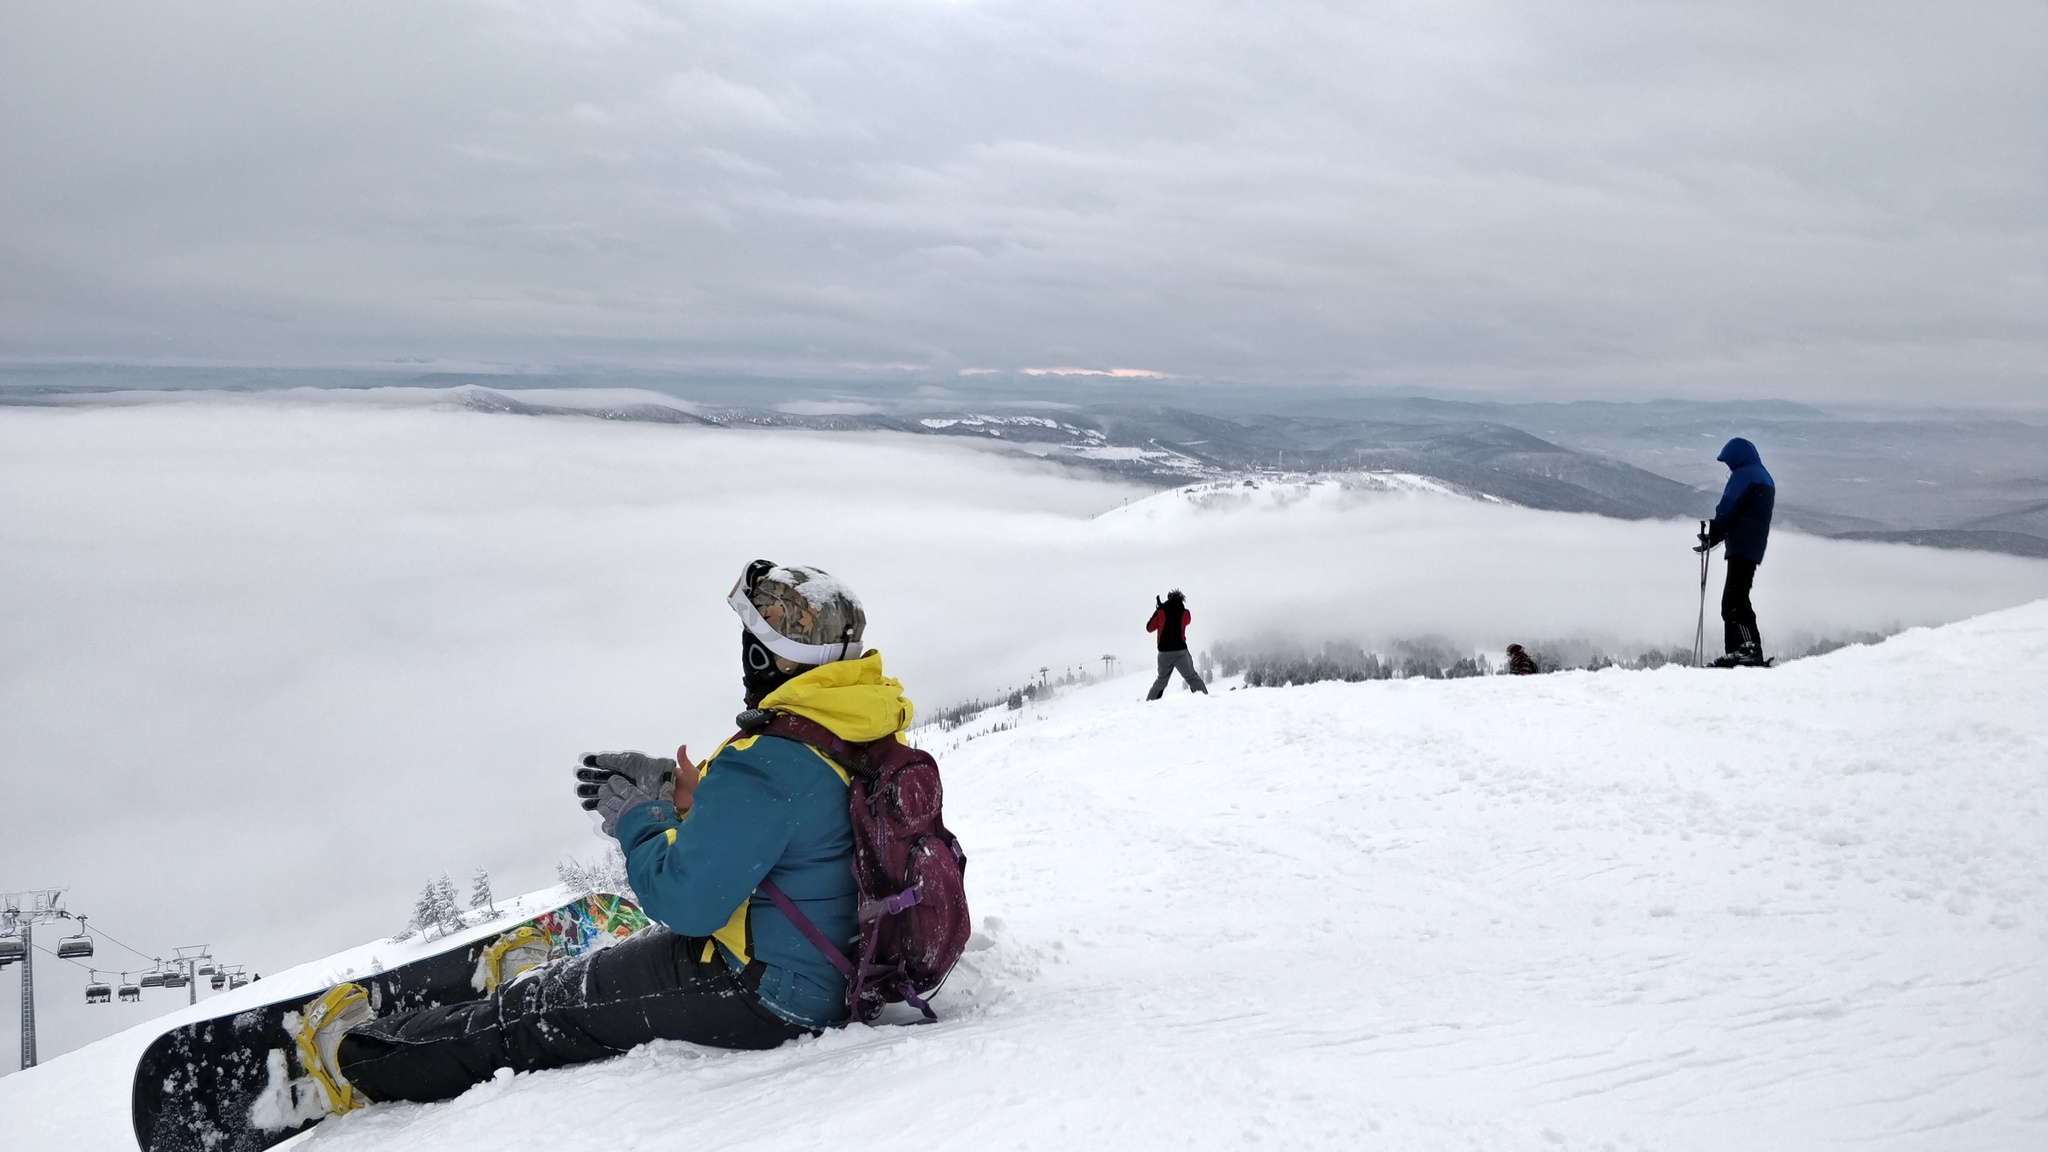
[(1800, 908), (1277, 491)]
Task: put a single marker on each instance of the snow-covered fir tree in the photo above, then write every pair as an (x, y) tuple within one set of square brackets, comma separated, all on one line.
[(480, 892), (448, 903), (426, 911), (605, 874), (436, 912)]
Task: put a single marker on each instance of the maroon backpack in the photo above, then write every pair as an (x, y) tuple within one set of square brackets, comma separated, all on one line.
[(908, 868)]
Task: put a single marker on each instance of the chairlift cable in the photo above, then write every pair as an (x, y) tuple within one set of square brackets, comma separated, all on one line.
[(137, 951)]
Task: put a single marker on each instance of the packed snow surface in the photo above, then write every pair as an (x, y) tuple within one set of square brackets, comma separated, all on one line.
[(1798, 908)]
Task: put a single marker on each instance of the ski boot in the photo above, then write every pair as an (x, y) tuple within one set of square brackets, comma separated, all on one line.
[(321, 1025), (1747, 656), (511, 956)]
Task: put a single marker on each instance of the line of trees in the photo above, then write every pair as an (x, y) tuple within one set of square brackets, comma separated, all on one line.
[(438, 910)]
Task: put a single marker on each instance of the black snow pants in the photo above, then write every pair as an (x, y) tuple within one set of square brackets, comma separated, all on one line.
[(1168, 663), (1738, 619), (652, 985)]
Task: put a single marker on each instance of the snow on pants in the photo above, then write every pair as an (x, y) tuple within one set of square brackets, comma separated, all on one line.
[(1738, 619), (652, 985), (1168, 663)]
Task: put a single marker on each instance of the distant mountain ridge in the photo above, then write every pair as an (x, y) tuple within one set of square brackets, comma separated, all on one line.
[(2012, 543), (1972, 481), (1171, 446)]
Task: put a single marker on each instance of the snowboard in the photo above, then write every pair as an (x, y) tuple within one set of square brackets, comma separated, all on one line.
[(225, 1085)]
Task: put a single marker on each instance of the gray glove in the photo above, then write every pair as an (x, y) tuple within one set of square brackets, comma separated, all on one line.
[(608, 783)]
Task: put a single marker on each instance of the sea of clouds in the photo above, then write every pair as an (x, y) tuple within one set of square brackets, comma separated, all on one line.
[(267, 663)]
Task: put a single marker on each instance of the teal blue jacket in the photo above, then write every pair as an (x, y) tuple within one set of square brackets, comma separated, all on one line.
[(774, 808), (766, 807)]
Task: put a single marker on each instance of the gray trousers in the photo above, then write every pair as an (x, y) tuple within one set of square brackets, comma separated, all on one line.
[(1168, 662)]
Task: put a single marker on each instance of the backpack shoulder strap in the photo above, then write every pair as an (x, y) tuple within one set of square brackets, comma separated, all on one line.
[(789, 726), (809, 931)]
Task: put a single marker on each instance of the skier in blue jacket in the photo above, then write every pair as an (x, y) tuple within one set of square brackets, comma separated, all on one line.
[(720, 965), (1743, 521)]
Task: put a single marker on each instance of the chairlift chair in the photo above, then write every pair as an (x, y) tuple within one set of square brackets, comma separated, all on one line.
[(152, 979), (130, 992), (237, 981), (218, 980), (98, 993), (206, 969), (75, 947), (11, 949), (175, 979)]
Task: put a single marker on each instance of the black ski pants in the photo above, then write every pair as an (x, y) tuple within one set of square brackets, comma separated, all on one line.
[(652, 985), (1168, 663), (1738, 619)]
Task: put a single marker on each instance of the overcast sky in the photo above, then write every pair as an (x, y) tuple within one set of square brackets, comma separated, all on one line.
[(1817, 201)]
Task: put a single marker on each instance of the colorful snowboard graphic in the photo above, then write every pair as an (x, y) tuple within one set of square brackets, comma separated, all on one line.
[(213, 1086)]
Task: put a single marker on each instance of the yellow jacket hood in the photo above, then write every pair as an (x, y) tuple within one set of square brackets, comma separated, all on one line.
[(850, 697)]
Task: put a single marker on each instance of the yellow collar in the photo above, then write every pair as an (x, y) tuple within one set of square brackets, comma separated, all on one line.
[(850, 697)]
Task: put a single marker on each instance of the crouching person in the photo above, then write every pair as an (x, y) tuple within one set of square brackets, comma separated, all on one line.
[(721, 965)]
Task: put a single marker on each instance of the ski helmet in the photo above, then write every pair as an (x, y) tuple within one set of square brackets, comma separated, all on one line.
[(793, 619)]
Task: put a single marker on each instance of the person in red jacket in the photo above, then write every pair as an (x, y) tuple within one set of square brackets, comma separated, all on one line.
[(1170, 618)]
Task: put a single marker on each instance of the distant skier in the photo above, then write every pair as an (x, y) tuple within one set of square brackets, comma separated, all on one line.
[(1743, 520), (1170, 618), (1520, 663), (722, 965)]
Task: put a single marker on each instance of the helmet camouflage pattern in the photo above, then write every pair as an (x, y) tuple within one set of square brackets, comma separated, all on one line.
[(801, 614)]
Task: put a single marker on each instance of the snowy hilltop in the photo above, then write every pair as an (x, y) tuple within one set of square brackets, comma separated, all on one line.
[(1676, 909), (1276, 491)]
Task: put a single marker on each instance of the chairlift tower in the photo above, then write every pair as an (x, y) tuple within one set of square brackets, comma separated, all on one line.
[(194, 957), (20, 912)]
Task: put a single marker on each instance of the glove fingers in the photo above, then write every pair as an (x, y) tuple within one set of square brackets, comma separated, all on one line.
[(630, 763), (594, 775)]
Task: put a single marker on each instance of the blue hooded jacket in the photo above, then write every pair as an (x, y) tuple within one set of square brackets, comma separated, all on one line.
[(1743, 518), (768, 807)]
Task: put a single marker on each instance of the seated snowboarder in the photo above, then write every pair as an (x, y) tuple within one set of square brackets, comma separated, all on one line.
[(720, 965), (1520, 663), (1170, 618), (1743, 521)]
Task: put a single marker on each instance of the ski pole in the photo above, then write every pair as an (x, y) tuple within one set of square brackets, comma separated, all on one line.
[(1699, 631)]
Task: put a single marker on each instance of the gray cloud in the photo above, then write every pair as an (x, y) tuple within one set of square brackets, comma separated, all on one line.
[(1824, 202)]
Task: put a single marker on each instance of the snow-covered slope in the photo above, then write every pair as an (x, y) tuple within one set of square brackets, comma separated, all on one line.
[(1275, 491), (80, 1100), (1803, 908)]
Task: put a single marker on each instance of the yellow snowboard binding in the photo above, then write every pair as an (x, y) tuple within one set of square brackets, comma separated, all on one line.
[(514, 954), (321, 1026)]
